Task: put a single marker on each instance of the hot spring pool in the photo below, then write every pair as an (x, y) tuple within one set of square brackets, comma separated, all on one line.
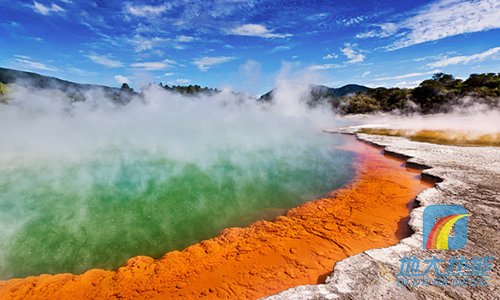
[(92, 188), (72, 216)]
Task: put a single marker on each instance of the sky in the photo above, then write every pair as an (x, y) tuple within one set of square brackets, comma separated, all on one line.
[(247, 45)]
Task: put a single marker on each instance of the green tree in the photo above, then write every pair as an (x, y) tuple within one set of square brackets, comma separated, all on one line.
[(3, 89), (360, 104)]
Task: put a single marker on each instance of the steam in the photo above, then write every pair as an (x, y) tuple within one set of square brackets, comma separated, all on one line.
[(92, 183), (468, 118)]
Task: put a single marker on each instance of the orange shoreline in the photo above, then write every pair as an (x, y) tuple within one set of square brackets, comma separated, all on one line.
[(264, 258)]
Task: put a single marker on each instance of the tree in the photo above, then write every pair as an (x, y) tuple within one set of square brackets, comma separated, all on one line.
[(126, 88), (360, 104), (3, 89)]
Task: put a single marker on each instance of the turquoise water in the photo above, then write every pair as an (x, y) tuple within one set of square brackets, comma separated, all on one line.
[(96, 211)]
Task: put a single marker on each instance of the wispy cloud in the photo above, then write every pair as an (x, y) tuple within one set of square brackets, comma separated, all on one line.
[(146, 10), (325, 67), (352, 55), (182, 81), (439, 20), (317, 17), (257, 30), (121, 79), (384, 30), (330, 56), (205, 63), (464, 59), (105, 61), (448, 18), (154, 65), (407, 84), (46, 10), (365, 74), (142, 44), (28, 63), (351, 21), (404, 76), (184, 39), (280, 48)]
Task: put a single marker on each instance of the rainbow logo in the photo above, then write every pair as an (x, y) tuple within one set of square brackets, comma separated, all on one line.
[(445, 227)]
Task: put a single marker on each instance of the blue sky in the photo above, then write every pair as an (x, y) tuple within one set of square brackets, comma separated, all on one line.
[(245, 44)]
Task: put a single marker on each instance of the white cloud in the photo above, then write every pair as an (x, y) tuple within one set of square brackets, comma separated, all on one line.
[(37, 39), (22, 56), (205, 63), (280, 48), (325, 67), (400, 84), (365, 74), (121, 79), (352, 55), (351, 21), (317, 17), (407, 84), (409, 75), (330, 56), (368, 34), (142, 44), (146, 10), (28, 63), (184, 39), (169, 74), (386, 30), (439, 20), (433, 57), (46, 10), (464, 59), (153, 65), (257, 30), (105, 61), (182, 81)]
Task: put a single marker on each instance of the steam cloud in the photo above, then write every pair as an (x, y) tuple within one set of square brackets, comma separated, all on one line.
[(472, 119), (92, 183)]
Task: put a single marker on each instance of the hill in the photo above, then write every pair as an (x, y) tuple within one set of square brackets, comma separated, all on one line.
[(75, 91), (440, 94)]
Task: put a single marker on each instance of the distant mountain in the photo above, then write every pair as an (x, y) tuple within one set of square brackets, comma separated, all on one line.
[(319, 92), (74, 90)]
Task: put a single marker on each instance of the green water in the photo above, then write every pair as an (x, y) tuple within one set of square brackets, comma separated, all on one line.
[(76, 214)]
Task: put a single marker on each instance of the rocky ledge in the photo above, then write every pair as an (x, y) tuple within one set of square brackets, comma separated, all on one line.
[(469, 176)]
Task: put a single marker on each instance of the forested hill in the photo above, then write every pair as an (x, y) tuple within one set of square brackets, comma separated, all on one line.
[(441, 93)]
